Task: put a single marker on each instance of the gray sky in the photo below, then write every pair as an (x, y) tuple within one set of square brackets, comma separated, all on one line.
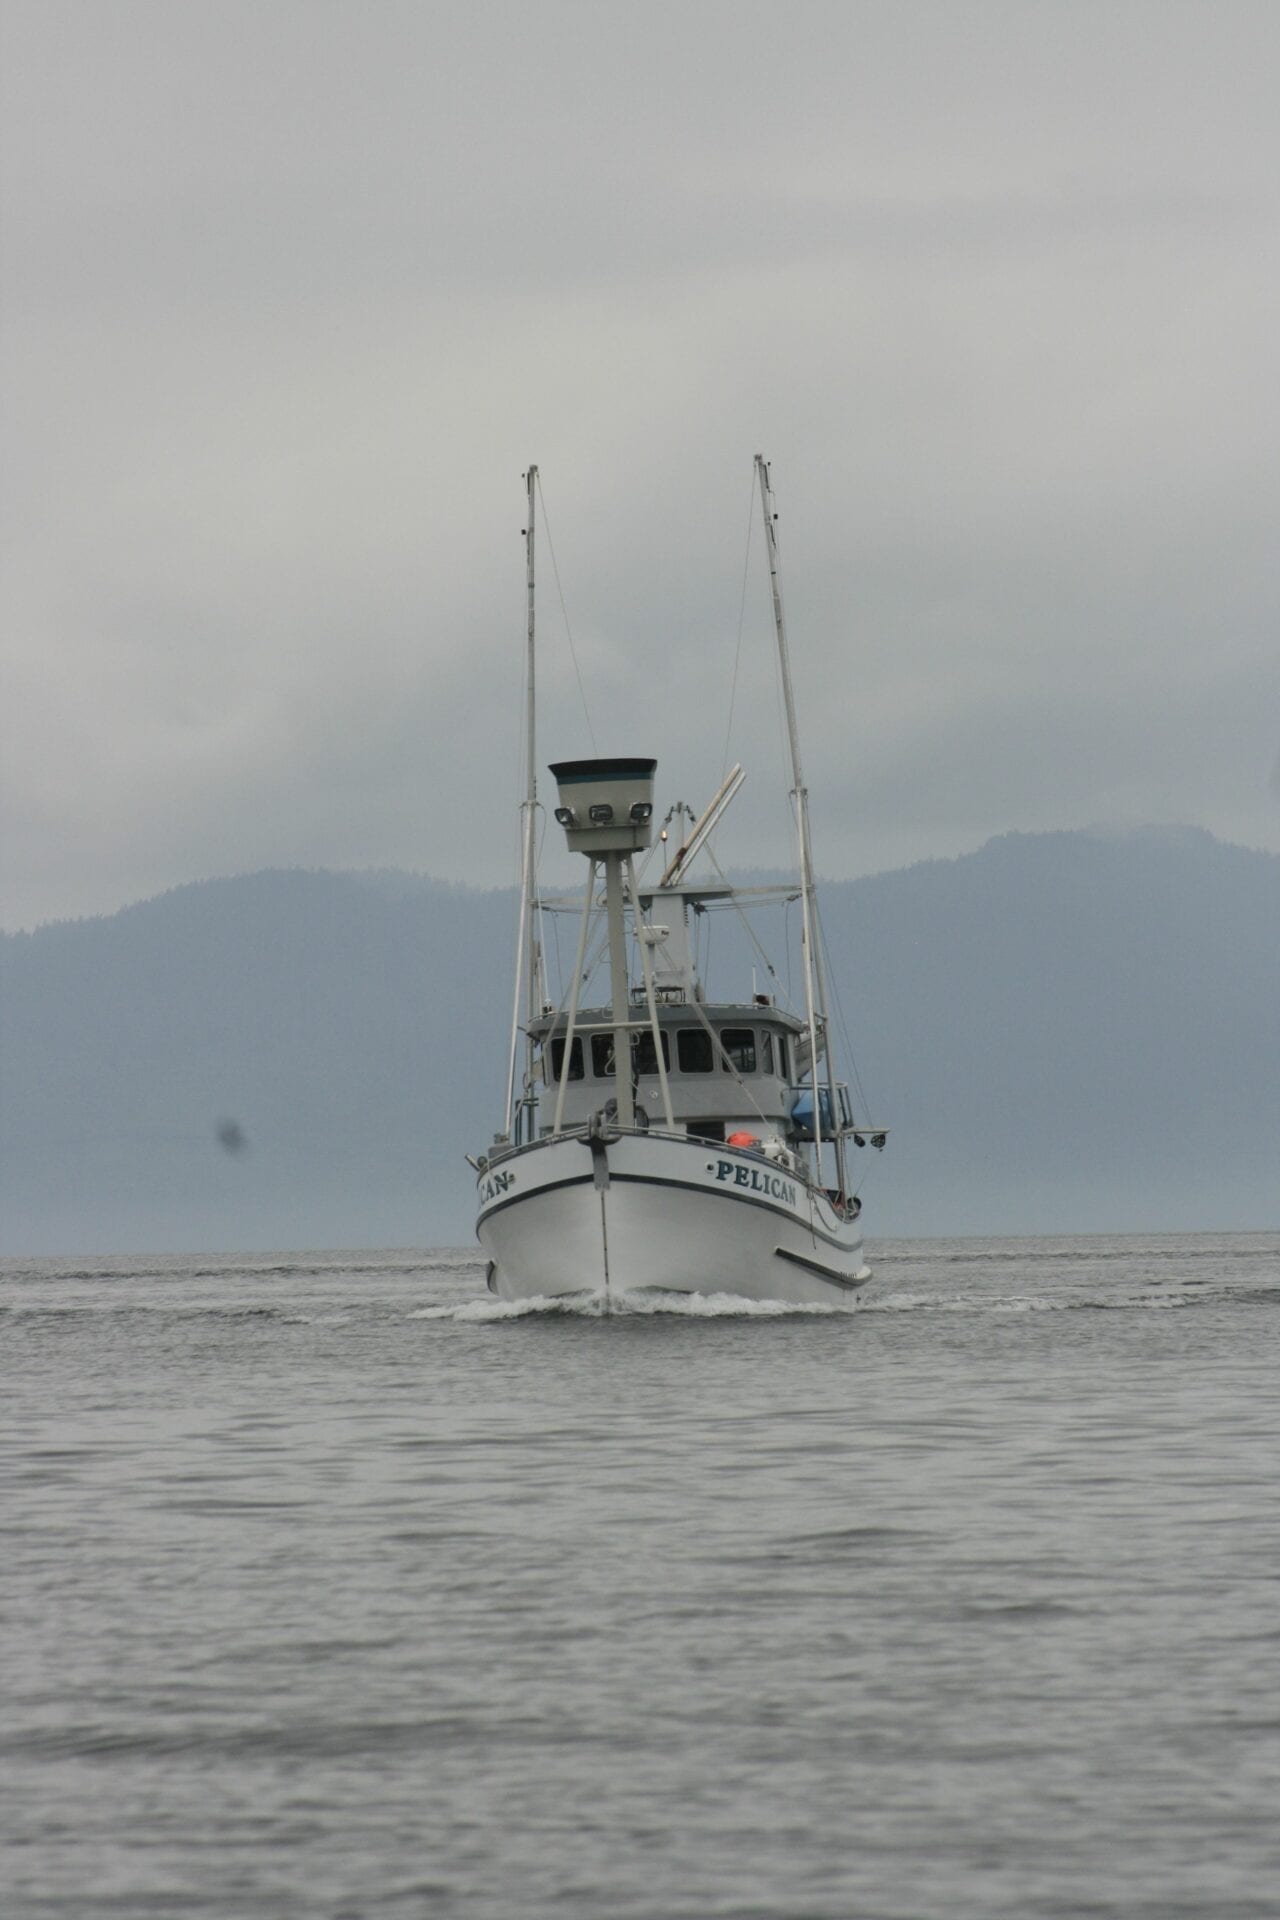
[(294, 290)]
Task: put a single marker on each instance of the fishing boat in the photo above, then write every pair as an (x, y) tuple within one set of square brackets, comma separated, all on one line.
[(719, 1159)]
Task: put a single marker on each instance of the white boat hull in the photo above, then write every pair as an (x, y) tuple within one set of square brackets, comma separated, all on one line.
[(661, 1213)]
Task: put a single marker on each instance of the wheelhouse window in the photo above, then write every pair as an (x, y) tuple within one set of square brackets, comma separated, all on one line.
[(557, 1060), (738, 1045), (784, 1065), (644, 1055), (693, 1050), (766, 1051)]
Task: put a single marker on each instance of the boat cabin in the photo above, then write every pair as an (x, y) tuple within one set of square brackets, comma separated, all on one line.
[(730, 1068)]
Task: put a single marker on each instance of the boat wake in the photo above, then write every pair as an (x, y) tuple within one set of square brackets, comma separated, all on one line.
[(727, 1306), (600, 1306)]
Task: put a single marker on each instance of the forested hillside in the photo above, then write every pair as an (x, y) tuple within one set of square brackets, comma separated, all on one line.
[(1065, 1032)]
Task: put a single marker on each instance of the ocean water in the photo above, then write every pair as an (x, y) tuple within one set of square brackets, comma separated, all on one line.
[(331, 1587)]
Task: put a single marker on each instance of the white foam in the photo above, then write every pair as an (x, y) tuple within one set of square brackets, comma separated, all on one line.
[(597, 1306), (712, 1306), (489, 1309)]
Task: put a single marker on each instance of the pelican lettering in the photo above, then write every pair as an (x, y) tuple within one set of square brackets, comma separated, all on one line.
[(756, 1180), (495, 1184)]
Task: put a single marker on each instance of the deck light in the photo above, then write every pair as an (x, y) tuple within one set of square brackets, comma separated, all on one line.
[(565, 816), (642, 811), (601, 813)]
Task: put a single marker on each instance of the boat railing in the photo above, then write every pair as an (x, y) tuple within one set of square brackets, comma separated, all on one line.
[(847, 1205)]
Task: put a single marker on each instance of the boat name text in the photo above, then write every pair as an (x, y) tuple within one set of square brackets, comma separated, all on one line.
[(756, 1180), (495, 1184)]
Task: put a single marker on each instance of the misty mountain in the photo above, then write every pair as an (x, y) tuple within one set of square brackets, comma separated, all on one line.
[(1065, 1032)]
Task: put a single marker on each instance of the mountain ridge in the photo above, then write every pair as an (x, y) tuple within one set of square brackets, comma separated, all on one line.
[(1066, 1031)]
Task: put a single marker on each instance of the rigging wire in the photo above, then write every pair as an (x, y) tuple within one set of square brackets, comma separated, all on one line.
[(573, 652), (750, 931), (718, 1047), (845, 1038), (742, 614), (555, 935), (520, 777), (536, 890), (698, 1012)]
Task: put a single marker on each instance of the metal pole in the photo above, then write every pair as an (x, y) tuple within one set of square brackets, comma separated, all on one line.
[(814, 971), (619, 992), (512, 1110), (527, 990), (573, 997), (532, 1003), (647, 968)]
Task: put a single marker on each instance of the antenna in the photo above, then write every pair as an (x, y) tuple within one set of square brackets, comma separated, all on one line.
[(526, 981)]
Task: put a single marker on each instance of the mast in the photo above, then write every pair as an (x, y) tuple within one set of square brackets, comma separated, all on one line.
[(606, 810), (619, 994), (815, 983), (526, 980)]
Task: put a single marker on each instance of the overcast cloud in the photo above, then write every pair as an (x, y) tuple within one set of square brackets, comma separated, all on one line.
[(294, 291)]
